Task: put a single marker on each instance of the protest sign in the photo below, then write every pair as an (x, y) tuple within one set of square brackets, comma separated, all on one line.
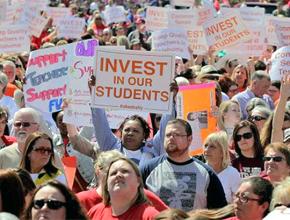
[(188, 3), (182, 19), (280, 63), (271, 34), (78, 94), (3, 10), (157, 18), (196, 111), (14, 39), (58, 14), (46, 78), (133, 80), (174, 41), (15, 12), (197, 41), (71, 27), (114, 14), (225, 31), (35, 21), (282, 29)]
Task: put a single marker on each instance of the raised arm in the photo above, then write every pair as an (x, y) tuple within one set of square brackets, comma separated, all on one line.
[(279, 113)]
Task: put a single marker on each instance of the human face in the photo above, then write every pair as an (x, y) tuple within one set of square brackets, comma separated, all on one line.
[(49, 193), (240, 76), (233, 114), (261, 87), (233, 90), (122, 180), (40, 154), (3, 122), (132, 135), (176, 141), (10, 72), (22, 132), (250, 209), (273, 92), (213, 154), (61, 126), (277, 171), (258, 118), (246, 145)]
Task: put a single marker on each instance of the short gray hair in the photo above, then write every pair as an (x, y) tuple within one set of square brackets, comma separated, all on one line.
[(259, 75)]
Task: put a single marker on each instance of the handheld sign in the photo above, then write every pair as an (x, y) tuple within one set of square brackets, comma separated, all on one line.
[(133, 80), (280, 63)]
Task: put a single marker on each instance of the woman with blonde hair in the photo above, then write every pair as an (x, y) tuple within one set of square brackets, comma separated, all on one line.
[(229, 116), (241, 77), (216, 154)]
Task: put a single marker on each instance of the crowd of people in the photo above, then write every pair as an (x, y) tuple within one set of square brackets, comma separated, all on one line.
[(145, 169)]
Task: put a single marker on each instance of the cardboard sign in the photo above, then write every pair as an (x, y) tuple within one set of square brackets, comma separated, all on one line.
[(71, 27), (133, 80), (114, 14), (280, 63), (78, 95), (225, 31), (157, 18), (173, 41), (197, 113), (14, 39)]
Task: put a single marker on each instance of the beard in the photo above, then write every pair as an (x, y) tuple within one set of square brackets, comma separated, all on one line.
[(174, 151)]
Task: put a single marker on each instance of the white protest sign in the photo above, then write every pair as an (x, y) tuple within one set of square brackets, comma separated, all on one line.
[(173, 41), (225, 31), (78, 95), (35, 21), (14, 39), (189, 3), (116, 117), (58, 13), (280, 63), (133, 80), (46, 78), (3, 10), (197, 41), (157, 18), (15, 12), (271, 34), (282, 29), (185, 19), (71, 27), (114, 14), (38, 4)]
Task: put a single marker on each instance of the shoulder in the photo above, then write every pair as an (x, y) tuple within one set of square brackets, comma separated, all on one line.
[(153, 163), (96, 210)]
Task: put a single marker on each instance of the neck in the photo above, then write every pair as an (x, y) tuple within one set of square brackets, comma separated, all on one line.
[(180, 159), (249, 153), (34, 169), (121, 205), (216, 166), (21, 147), (100, 190)]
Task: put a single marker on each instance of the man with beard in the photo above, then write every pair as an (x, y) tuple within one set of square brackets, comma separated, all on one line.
[(25, 122), (179, 180)]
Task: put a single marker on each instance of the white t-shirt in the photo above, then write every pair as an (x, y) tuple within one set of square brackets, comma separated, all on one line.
[(230, 179), (279, 213)]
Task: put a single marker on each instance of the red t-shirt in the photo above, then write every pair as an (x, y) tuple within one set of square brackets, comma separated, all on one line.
[(141, 212), (91, 198), (232, 218), (8, 140)]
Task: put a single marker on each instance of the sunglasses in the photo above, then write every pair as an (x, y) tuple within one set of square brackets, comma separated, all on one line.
[(247, 135), (24, 124), (256, 118), (51, 204), (275, 159), (43, 150)]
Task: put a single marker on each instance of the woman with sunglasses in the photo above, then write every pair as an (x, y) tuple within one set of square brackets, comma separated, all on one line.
[(38, 159), (54, 201), (259, 116), (246, 142), (277, 162)]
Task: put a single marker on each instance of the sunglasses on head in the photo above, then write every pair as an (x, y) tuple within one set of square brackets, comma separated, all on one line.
[(275, 159), (247, 135), (51, 204), (24, 124), (43, 150), (256, 118)]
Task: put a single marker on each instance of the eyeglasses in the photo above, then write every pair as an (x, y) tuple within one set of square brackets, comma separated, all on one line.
[(174, 135), (51, 204), (256, 118), (24, 124), (275, 159), (247, 135), (244, 198), (43, 150)]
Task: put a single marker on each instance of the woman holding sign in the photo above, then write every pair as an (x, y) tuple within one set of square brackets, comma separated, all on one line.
[(134, 132)]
